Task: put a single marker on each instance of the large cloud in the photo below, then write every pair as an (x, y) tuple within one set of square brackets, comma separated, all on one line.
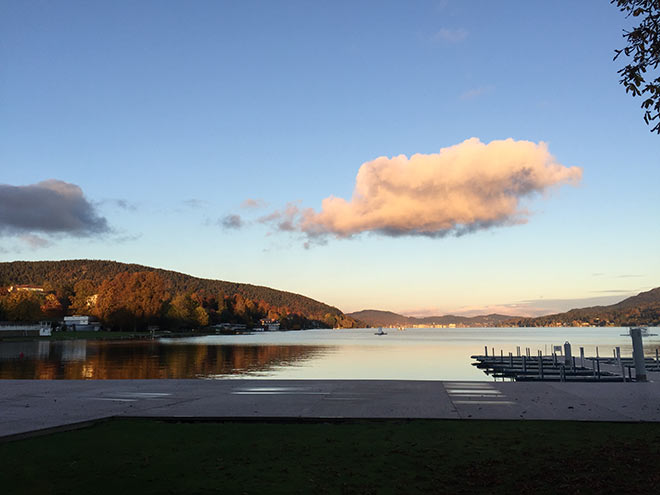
[(51, 207), (463, 188)]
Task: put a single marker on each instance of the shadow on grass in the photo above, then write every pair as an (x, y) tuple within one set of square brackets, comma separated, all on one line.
[(393, 456)]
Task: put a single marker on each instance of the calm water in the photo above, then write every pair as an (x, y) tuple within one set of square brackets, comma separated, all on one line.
[(413, 354)]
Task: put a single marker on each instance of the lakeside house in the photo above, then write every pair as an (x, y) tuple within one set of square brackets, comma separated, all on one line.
[(79, 323), (269, 325), (229, 327)]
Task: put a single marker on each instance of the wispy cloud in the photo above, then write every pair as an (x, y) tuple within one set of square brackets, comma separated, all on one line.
[(525, 308), (119, 203), (474, 93), (49, 207), (450, 35), (285, 220), (462, 189), (35, 241), (127, 238), (194, 203), (253, 203)]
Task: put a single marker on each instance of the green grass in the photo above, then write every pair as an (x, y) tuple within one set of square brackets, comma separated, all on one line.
[(421, 456)]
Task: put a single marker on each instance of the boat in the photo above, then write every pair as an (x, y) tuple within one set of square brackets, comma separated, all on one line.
[(380, 331)]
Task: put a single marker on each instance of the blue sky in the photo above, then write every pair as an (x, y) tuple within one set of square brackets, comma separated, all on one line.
[(168, 116)]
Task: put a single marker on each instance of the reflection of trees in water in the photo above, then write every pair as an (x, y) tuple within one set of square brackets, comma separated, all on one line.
[(102, 360)]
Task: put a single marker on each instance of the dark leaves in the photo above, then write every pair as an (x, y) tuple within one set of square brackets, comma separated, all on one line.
[(644, 48)]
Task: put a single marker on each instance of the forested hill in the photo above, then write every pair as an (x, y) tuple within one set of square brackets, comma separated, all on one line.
[(378, 318), (642, 309), (240, 302)]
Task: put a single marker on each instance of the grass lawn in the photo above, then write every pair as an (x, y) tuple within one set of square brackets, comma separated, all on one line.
[(379, 457)]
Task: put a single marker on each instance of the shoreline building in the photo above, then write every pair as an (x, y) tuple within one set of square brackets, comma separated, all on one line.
[(80, 323)]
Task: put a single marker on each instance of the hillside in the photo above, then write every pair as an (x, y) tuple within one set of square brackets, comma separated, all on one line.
[(376, 318), (62, 278), (642, 309)]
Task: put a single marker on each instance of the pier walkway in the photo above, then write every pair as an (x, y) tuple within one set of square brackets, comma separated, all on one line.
[(32, 405)]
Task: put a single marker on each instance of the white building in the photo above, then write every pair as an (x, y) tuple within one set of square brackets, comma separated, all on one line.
[(80, 323)]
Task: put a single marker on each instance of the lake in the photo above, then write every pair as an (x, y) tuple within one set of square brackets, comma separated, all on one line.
[(411, 354)]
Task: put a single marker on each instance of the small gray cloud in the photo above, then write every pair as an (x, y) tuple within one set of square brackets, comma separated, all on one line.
[(231, 222), (49, 207), (450, 35)]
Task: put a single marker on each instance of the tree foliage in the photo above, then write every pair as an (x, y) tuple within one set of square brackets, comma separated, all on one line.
[(128, 297), (640, 77)]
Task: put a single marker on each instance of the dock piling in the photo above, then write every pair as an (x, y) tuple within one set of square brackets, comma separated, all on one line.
[(623, 371), (568, 354), (638, 354)]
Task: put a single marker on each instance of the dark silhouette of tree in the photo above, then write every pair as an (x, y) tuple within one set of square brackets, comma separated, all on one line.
[(644, 49)]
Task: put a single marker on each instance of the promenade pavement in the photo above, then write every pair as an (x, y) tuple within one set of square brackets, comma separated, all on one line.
[(32, 405)]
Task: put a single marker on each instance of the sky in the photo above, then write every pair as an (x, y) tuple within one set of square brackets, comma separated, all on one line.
[(425, 157)]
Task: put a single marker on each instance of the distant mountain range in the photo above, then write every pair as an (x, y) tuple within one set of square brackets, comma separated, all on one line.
[(376, 318), (642, 309)]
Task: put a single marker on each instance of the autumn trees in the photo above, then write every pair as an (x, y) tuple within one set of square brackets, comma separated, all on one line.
[(132, 301), (130, 297)]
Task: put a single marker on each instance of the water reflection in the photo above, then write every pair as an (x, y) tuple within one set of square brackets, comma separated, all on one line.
[(413, 354), (122, 360)]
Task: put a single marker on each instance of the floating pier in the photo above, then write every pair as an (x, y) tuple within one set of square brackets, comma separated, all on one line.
[(543, 368), (562, 366)]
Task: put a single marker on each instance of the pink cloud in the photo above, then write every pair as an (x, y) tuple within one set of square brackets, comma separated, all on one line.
[(463, 188)]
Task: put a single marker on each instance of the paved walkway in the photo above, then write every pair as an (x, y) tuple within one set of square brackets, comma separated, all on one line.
[(30, 405)]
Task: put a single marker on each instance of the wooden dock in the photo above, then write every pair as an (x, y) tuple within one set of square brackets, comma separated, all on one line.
[(555, 368)]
